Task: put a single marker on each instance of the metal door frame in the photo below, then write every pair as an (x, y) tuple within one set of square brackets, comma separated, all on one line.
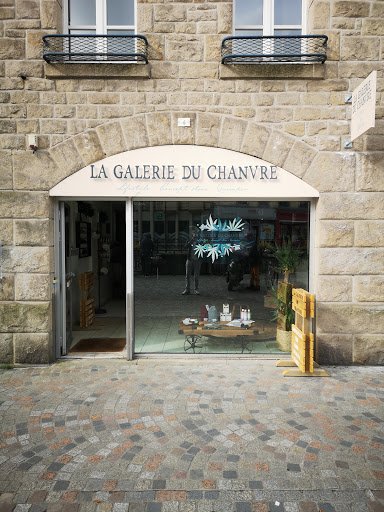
[(129, 302), (59, 282), (59, 292)]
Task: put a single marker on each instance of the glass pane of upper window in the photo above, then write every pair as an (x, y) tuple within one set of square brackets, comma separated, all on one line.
[(120, 12), (79, 32), (120, 32), (82, 12), (248, 12), (287, 32), (288, 12), (249, 32)]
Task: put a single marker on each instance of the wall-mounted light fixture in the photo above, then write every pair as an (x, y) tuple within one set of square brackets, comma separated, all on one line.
[(32, 142)]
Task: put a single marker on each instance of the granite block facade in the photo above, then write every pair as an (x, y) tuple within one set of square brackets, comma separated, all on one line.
[(295, 117)]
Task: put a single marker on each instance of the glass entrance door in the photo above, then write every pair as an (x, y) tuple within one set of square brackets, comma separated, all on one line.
[(206, 273), (90, 259)]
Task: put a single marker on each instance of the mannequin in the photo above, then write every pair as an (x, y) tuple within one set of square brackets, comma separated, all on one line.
[(192, 266)]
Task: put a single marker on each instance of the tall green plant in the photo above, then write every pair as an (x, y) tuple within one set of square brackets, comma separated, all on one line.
[(283, 313), (288, 258)]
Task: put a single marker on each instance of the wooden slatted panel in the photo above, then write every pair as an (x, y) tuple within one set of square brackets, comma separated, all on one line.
[(299, 348), (299, 301)]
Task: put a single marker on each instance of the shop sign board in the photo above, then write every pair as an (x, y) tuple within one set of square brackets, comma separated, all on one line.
[(363, 106), (185, 172)]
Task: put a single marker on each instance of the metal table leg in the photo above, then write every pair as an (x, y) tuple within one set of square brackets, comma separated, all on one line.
[(244, 344), (191, 343)]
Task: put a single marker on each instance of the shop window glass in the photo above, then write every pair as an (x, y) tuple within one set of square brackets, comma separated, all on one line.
[(232, 245)]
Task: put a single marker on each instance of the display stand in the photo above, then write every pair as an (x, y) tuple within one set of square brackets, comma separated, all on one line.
[(103, 259), (87, 303), (233, 331), (302, 340)]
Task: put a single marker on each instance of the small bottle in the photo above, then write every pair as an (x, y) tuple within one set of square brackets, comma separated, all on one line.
[(248, 314), (242, 314)]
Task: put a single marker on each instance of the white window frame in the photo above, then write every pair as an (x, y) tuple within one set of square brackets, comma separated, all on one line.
[(268, 27), (101, 27)]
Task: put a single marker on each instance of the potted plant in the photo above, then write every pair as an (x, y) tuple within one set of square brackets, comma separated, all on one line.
[(287, 258)]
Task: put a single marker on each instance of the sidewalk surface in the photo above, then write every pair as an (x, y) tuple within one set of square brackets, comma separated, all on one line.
[(195, 435)]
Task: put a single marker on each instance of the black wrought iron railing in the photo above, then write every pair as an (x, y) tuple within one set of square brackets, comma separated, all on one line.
[(267, 49), (95, 48)]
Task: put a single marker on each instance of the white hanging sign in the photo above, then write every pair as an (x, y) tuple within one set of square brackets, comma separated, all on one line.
[(363, 106)]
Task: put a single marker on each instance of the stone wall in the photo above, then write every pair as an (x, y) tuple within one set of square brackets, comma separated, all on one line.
[(293, 116)]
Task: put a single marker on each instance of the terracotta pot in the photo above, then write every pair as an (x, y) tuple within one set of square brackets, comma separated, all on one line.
[(283, 339)]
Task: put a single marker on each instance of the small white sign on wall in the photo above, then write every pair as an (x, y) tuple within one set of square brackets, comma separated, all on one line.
[(363, 106)]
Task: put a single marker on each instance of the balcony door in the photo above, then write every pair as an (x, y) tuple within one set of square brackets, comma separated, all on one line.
[(101, 17), (269, 18)]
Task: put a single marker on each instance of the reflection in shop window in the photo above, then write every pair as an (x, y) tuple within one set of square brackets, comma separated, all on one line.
[(160, 307)]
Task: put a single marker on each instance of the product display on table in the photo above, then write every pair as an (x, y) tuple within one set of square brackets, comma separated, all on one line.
[(212, 324)]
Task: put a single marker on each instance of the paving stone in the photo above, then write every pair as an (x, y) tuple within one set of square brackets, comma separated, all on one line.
[(154, 507), (276, 506), (293, 467), (230, 474), (326, 507), (136, 507), (182, 436), (308, 506)]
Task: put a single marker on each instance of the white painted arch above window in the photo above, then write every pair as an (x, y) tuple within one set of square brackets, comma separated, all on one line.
[(183, 172)]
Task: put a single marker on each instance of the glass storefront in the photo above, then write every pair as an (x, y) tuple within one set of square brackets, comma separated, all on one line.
[(206, 273)]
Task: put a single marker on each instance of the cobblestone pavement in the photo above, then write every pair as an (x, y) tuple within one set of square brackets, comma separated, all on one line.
[(191, 436)]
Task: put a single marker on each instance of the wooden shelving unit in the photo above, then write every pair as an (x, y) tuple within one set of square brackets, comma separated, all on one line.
[(87, 302)]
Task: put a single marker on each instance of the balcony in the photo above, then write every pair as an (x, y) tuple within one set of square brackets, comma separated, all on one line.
[(274, 49), (68, 48)]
